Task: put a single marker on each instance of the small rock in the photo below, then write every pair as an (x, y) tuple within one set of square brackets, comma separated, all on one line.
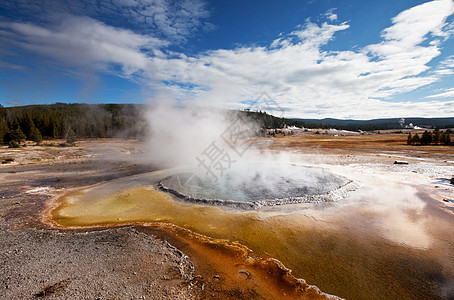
[(245, 274)]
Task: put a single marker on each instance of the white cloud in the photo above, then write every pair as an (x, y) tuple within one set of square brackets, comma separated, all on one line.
[(304, 79), (411, 26), (172, 20), (310, 34), (330, 15), (449, 93), (401, 53), (309, 81), (85, 43), (448, 63), (446, 67)]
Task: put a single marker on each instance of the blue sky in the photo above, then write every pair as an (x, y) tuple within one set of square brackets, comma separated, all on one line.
[(315, 59)]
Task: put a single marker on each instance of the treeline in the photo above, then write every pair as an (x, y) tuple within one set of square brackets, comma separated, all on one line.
[(71, 121), (58, 121), (78, 121), (436, 137), (377, 124), (267, 121)]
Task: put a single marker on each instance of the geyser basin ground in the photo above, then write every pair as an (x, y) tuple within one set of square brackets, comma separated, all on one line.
[(375, 242), (384, 241), (256, 185)]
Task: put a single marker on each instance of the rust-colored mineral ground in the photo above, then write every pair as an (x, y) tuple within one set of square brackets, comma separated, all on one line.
[(345, 256), (236, 270)]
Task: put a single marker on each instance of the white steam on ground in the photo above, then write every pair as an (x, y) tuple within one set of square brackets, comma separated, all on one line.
[(384, 204), (215, 146), (260, 181)]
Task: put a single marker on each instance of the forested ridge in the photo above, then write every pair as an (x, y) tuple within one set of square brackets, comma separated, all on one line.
[(61, 120), (57, 121), (71, 121), (378, 124)]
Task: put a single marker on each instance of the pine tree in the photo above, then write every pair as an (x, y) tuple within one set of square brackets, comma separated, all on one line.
[(448, 139), (27, 125), (409, 139), (436, 136), (36, 136), (415, 139), (426, 138), (3, 126), (13, 144), (71, 139), (14, 135), (442, 138)]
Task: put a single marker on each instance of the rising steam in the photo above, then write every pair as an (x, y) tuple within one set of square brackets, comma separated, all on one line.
[(180, 134)]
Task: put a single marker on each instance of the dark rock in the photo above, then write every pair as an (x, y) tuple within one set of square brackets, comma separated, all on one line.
[(400, 162)]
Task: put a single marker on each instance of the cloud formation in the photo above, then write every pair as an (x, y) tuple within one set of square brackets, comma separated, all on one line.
[(307, 80), (85, 43), (175, 20), (295, 69), (449, 93), (446, 67)]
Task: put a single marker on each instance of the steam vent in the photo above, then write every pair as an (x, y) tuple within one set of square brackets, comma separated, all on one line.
[(258, 185)]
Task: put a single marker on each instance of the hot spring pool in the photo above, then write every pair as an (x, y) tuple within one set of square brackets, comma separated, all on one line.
[(259, 185)]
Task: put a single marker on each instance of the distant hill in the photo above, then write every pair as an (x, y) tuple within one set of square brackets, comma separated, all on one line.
[(376, 124), (34, 122), (58, 121)]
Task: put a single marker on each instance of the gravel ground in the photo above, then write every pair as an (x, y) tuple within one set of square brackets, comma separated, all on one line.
[(119, 263), (109, 264)]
